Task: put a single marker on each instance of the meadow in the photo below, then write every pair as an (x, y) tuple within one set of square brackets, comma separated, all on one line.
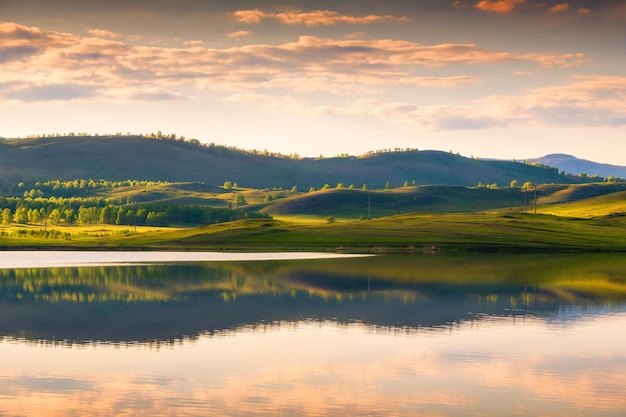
[(550, 218)]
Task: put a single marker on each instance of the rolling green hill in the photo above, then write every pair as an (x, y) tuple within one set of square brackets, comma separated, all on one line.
[(356, 203), (134, 157), (607, 205)]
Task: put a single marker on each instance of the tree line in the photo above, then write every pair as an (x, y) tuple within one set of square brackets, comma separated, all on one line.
[(56, 202), (144, 215)]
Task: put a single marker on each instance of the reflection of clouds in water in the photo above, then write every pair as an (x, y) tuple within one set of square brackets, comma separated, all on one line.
[(51, 259), (324, 369)]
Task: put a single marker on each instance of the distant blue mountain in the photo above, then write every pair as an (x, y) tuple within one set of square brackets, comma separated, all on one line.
[(572, 165)]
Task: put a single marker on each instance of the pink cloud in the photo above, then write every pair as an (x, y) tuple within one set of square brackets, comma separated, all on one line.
[(101, 33), (239, 34), (498, 6), (561, 7), (30, 56), (313, 18), (588, 101)]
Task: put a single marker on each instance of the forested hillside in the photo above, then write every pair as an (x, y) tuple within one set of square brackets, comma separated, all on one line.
[(119, 158)]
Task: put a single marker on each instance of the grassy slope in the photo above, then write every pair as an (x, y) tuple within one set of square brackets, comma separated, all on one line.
[(404, 232), (613, 204), (449, 218), (354, 203)]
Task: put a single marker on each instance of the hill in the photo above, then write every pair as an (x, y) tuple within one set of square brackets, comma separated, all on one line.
[(135, 157), (572, 165), (355, 203)]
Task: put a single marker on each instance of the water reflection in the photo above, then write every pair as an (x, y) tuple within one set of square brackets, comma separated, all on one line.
[(393, 335), (148, 303)]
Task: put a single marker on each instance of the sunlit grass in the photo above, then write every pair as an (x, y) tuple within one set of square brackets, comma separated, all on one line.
[(599, 206)]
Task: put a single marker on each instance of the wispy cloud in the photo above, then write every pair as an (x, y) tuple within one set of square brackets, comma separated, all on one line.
[(239, 34), (50, 92), (588, 101), (40, 65), (101, 33), (561, 7), (30, 56), (312, 18), (498, 6)]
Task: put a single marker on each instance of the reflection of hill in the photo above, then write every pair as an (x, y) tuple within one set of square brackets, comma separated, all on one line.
[(169, 302)]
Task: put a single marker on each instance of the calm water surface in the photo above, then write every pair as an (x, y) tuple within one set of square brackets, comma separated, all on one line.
[(405, 335)]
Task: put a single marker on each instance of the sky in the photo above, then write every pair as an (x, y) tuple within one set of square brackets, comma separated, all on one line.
[(507, 79)]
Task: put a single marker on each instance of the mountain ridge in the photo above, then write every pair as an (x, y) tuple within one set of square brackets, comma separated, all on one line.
[(137, 157), (575, 166)]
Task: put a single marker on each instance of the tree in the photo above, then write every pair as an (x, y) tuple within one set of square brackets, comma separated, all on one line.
[(331, 219), (55, 216), (157, 219), (294, 189), (240, 200), (121, 216), (513, 184), (21, 215), (406, 184), (87, 215), (228, 185), (34, 216), (69, 215), (108, 214), (387, 185), (340, 185), (6, 216)]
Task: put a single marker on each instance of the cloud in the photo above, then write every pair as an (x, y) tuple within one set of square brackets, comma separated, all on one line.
[(313, 18), (239, 34), (588, 101), (17, 52), (194, 43), (498, 6), (46, 65), (555, 61), (561, 7), (101, 33), (53, 92), (13, 31), (152, 94), (32, 57)]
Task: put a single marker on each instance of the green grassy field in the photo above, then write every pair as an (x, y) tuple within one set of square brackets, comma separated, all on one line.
[(423, 218), (412, 232)]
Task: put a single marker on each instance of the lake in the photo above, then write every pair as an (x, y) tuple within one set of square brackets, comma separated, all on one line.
[(194, 334)]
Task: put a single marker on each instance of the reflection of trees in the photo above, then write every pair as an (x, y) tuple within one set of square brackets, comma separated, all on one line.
[(172, 301), (406, 277)]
